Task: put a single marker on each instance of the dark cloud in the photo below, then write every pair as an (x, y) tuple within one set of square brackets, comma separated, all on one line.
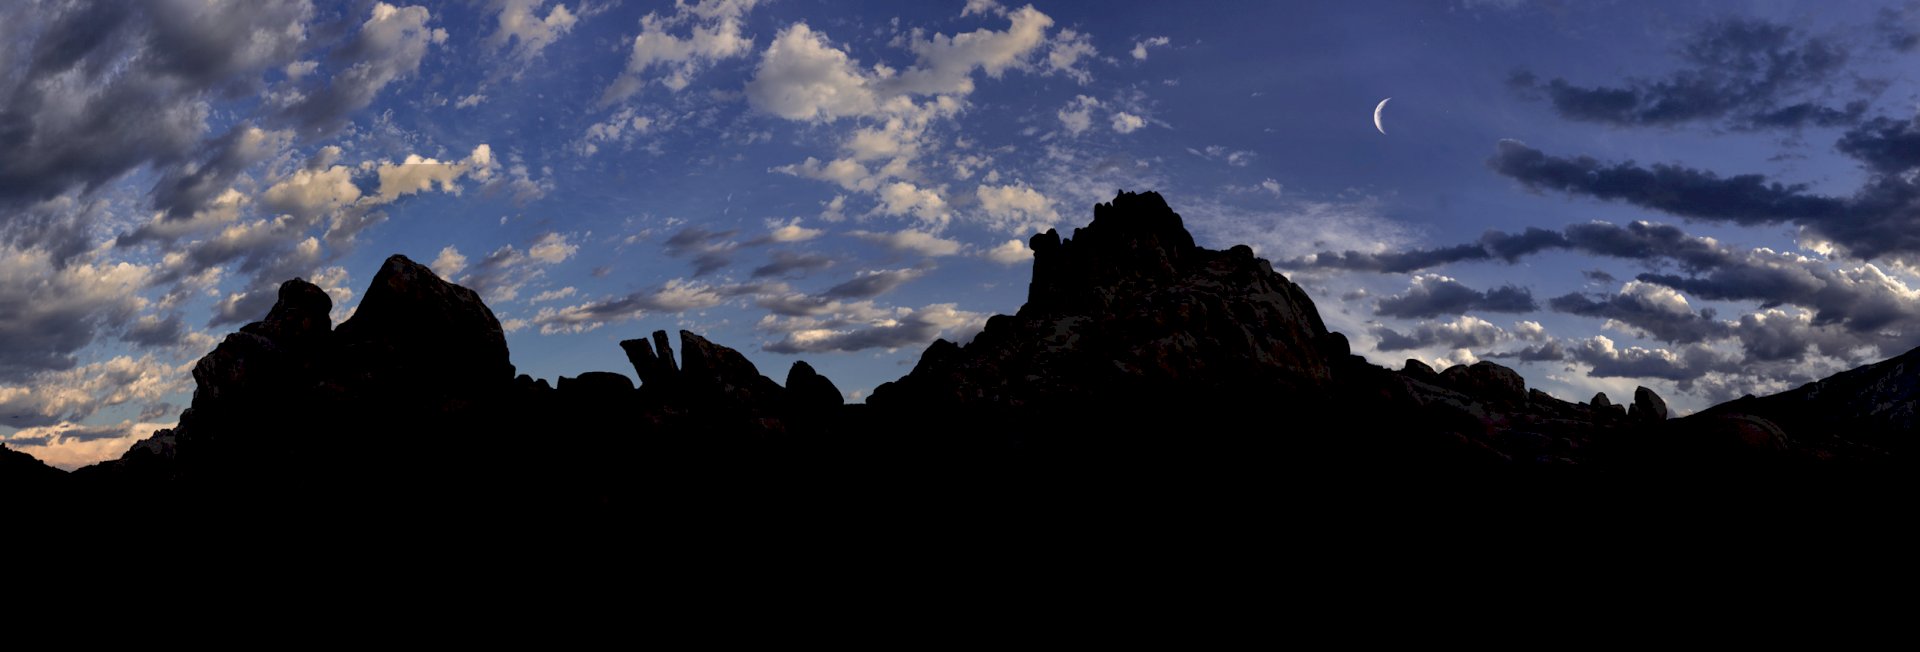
[(1683, 366), (869, 284), (64, 120), (1599, 276), (1747, 199), (1744, 71), (1433, 295), (709, 251), (156, 331), (1659, 311), (190, 187), (1550, 351), (1390, 263), (1885, 145), (787, 262)]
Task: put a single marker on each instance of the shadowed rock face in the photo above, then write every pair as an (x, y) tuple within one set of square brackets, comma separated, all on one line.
[(416, 333), (1130, 306)]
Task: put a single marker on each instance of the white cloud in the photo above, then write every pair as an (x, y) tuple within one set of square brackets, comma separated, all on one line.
[(1140, 47), (909, 240), (308, 193), (1016, 208), (1077, 116), (551, 249), (790, 231), (803, 77), (982, 7), (1530, 331), (1067, 52), (521, 25), (470, 101), (714, 34), (902, 198), (1127, 123), (1011, 252), (622, 127), (420, 174)]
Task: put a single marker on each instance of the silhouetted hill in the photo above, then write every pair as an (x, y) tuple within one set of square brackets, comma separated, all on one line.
[(1139, 358)]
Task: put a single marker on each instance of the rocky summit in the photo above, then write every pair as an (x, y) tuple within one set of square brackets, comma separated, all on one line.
[(1137, 355)]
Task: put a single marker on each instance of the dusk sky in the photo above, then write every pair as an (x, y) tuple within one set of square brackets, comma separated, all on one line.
[(1707, 198)]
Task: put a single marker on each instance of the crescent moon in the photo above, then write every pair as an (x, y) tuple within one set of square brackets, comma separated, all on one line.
[(1377, 124)]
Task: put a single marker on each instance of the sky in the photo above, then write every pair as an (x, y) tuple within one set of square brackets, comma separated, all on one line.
[(1705, 198)]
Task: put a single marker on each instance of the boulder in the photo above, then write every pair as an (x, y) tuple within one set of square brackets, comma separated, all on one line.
[(1647, 406)]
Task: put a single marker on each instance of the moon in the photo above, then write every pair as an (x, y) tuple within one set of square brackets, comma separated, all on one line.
[(1377, 124)]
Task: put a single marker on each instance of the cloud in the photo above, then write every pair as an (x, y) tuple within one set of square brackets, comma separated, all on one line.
[(909, 240), (1140, 47), (449, 262), (421, 174), (1608, 361), (1016, 208), (47, 313), (784, 263), (1433, 295), (863, 326), (1656, 310), (803, 77), (1464, 332), (1011, 252), (1741, 70), (1077, 116), (1877, 221), (500, 275), (710, 250), (389, 46), (677, 295), (83, 63), (713, 35), (1127, 123), (789, 231), (872, 283), (51, 397), (521, 27), (70, 446)]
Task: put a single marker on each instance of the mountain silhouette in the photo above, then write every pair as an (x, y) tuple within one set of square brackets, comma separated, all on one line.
[(1138, 357)]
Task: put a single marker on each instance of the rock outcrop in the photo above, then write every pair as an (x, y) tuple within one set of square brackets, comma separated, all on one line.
[(1131, 307)]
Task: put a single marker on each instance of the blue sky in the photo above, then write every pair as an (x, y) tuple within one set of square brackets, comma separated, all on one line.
[(843, 182)]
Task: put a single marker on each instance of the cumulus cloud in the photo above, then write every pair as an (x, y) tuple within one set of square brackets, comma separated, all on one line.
[(52, 397), (1464, 332), (1077, 116), (1656, 310), (1011, 252), (1016, 208), (713, 34), (1140, 47), (1127, 123), (521, 27)]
